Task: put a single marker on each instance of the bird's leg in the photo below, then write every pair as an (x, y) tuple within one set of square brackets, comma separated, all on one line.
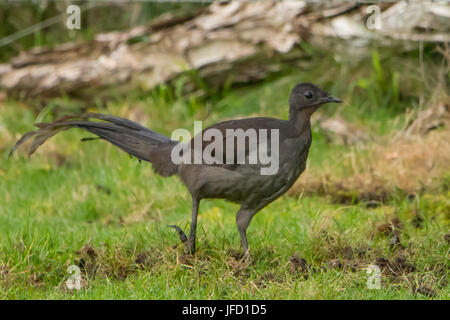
[(191, 241), (243, 218)]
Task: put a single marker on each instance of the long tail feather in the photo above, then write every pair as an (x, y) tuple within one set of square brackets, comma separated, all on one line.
[(129, 136)]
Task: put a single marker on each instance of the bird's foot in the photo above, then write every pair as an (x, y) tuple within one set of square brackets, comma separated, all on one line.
[(247, 259), (190, 246), (181, 233), (238, 261)]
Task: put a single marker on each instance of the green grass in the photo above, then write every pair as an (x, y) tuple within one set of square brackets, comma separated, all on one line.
[(73, 198), (49, 213)]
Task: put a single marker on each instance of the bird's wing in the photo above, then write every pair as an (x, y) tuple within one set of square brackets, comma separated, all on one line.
[(247, 129)]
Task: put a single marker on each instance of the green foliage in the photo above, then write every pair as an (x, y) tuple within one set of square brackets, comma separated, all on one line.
[(382, 86), (90, 196)]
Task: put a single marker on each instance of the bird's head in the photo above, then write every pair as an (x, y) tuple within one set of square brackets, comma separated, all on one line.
[(307, 95)]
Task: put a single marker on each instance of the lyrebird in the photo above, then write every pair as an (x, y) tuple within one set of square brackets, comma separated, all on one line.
[(239, 182)]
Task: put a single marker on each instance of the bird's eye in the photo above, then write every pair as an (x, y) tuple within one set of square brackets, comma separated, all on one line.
[(309, 95)]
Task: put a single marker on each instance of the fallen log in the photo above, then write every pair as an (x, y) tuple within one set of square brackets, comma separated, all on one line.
[(233, 42)]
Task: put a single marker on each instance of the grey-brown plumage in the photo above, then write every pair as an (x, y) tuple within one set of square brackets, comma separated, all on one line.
[(240, 183)]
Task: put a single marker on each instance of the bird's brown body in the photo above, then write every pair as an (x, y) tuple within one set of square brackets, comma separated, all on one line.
[(243, 184)]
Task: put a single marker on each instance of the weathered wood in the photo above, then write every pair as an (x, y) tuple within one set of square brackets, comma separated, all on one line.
[(235, 41)]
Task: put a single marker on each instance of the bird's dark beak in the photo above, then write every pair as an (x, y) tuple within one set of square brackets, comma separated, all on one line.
[(331, 99)]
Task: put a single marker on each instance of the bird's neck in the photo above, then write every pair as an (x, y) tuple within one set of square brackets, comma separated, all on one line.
[(300, 119)]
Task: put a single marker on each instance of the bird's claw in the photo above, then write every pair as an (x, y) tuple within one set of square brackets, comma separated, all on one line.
[(181, 233), (246, 259)]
